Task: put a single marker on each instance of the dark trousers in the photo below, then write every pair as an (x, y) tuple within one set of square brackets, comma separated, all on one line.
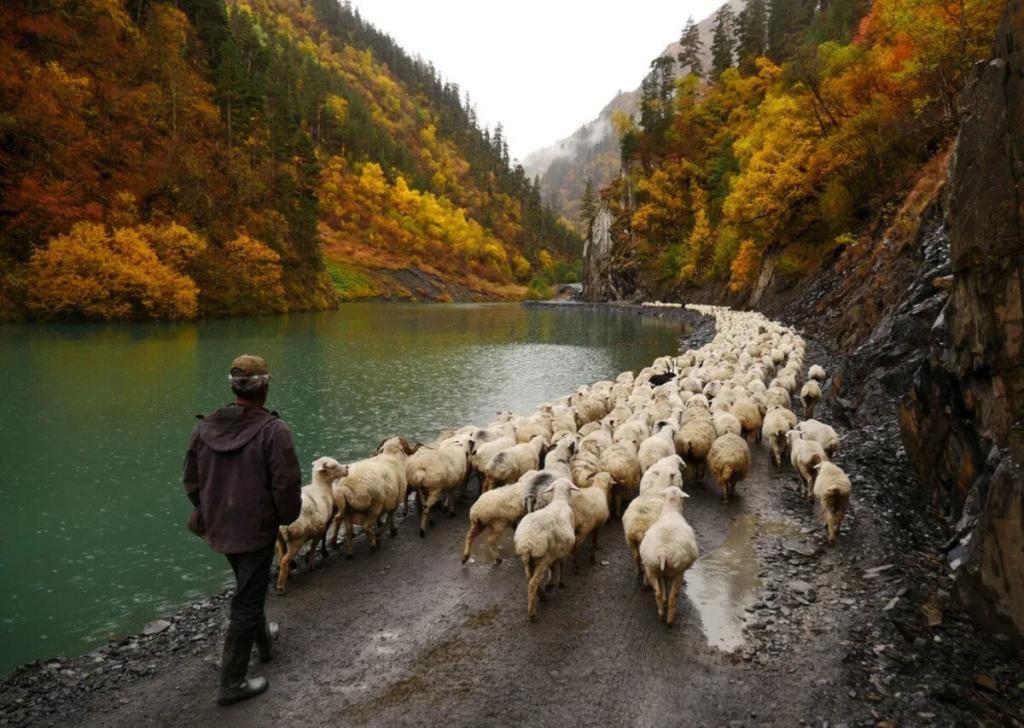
[(252, 577)]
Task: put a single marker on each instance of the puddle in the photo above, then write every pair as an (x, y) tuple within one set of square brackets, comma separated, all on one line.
[(722, 584)]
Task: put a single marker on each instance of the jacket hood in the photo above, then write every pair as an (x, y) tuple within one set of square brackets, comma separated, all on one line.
[(232, 427)]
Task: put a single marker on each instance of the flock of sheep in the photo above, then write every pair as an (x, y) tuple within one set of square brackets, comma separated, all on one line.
[(626, 447)]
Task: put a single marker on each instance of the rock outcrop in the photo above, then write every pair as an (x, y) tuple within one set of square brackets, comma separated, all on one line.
[(962, 422)]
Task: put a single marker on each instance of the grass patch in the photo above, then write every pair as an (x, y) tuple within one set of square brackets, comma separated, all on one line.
[(350, 283)]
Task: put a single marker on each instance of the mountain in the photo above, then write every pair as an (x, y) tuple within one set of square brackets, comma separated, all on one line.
[(202, 157), (592, 151)]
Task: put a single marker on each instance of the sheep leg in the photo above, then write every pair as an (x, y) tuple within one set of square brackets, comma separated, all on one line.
[(471, 534), (392, 528), (659, 598), (430, 501), (285, 566), (561, 573), (337, 528), (311, 556), (618, 503), (593, 551), (635, 550), (494, 532), (350, 536), (372, 532), (673, 599), (533, 586), (452, 499)]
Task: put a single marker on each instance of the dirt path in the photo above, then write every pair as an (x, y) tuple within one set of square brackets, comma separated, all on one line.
[(409, 636)]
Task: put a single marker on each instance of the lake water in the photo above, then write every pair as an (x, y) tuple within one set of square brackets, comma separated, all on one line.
[(95, 420)]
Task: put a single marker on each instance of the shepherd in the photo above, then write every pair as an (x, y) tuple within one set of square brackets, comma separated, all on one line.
[(244, 480)]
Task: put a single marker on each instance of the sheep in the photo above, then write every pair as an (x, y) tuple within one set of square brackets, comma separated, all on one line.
[(822, 433), (313, 520), (804, 456), (668, 549), (777, 422), (583, 466), (725, 422), (777, 396), (659, 445), (810, 393), (729, 460), (508, 465), (621, 462), (543, 539), (832, 489), (748, 412), (435, 473), (693, 442), (484, 451), (817, 373), (496, 510), (590, 511), (373, 487)]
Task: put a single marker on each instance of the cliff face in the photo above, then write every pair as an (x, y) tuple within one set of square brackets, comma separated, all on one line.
[(962, 422)]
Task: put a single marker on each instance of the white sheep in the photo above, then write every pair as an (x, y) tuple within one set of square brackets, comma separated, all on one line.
[(822, 433), (373, 487), (777, 422), (314, 518), (436, 473), (750, 415), (832, 489), (621, 462), (668, 549), (725, 422), (494, 512), (590, 511), (804, 455), (817, 373), (544, 539), (508, 465), (810, 393), (729, 461), (659, 445), (693, 443)]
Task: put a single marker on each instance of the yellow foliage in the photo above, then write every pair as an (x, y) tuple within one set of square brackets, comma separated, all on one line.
[(255, 284), (745, 267), (93, 273)]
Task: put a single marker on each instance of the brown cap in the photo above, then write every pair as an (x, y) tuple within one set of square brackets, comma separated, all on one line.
[(249, 365)]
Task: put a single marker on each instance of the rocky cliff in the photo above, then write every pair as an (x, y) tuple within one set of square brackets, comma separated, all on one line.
[(962, 421)]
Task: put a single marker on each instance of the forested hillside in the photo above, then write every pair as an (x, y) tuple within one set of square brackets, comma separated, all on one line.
[(797, 144), (197, 157)]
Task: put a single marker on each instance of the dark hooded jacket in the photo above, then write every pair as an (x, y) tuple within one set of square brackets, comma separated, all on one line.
[(243, 477)]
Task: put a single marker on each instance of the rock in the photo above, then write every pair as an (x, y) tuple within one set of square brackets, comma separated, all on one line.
[(800, 587), (156, 627), (892, 603)]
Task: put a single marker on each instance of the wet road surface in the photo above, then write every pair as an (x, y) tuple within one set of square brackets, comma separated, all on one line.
[(410, 636)]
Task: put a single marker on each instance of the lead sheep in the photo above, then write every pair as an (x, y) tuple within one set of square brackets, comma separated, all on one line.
[(832, 489), (313, 520), (810, 393), (668, 549)]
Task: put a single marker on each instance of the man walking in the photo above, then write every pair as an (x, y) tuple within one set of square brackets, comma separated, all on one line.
[(244, 479)]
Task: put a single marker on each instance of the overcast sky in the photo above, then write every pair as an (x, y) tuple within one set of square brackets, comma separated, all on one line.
[(540, 67)]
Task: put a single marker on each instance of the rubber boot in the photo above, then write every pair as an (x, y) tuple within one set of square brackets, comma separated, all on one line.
[(265, 638), (234, 686)]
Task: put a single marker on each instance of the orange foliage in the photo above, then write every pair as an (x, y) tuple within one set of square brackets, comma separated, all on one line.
[(744, 267), (97, 274)]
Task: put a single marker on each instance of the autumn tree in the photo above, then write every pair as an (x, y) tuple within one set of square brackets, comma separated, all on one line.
[(94, 273)]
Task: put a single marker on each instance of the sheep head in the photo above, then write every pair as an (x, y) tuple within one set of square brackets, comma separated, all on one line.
[(329, 469)]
